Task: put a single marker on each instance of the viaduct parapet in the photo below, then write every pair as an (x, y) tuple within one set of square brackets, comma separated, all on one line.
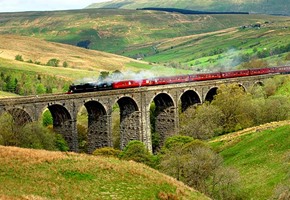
[(134, 107)]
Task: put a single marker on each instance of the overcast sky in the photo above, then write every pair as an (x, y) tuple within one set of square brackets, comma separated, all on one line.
[(43, 5)]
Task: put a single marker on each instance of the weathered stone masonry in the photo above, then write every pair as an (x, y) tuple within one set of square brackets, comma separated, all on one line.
[(134, 110)]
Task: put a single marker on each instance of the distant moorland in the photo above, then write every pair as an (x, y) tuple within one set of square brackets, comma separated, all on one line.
[(261, 6)]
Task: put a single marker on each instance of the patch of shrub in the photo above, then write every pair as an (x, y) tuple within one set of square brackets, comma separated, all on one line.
[(19, 57), (107, 151), (136, 151), (53, 62)]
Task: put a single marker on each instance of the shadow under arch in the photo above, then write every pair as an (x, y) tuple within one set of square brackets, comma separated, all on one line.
[(259, 84), (98, 130), (188, 99), (130, 121), (63, 124), (20, 117), (210, 94), (164, 122), (243, 87)]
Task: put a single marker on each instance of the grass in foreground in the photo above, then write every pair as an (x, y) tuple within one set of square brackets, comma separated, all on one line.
[(37, 174), (261, 155)]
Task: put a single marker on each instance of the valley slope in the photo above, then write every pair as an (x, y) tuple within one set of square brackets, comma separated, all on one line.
[(39, 174), (261, 6)]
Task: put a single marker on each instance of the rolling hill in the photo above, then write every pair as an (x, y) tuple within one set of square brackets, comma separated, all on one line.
[(36, 50), (261, 155), (259, 6), (39, 174), (113, 30)]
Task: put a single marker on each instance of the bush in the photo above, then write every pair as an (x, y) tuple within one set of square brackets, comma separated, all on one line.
[(177, 139), (107, 151), (198, 166), (65, 64), (19, 57), (32, 135), (47, 118), (60, 143), (53, 62), (136, 151)]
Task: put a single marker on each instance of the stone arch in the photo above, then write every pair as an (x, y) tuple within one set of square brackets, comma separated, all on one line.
[(258, 83), (130, 121), (165, 122), (20, 116), (98, 129), (211, 93), (189, 98), (65, 125), (243, 87)]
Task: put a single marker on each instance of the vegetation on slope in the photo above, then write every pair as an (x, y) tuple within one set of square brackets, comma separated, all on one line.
[(40, 52), (7, 94), (261, 155), (223, 49), (32, 66), (36, 174), (113, 30), (261, 6)]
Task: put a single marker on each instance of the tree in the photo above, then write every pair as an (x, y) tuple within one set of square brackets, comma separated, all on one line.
[(275, 108), (103, 75), (32, 135), (47, 118), (255, 63), (84, 44), (201, 122), (197, 165), (232, 100)]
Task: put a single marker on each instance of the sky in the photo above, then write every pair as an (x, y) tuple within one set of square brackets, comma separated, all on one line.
[(43, 5)]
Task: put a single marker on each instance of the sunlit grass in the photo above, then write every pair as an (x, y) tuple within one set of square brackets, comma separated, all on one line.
[(53, 175), (260, 155)]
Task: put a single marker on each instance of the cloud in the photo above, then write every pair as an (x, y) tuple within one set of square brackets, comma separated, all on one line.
[(43, 5)]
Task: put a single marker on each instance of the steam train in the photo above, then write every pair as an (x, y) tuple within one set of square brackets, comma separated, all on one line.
[(123, 84)]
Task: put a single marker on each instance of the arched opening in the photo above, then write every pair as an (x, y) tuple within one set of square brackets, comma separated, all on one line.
[(243, 87), (63, 124), (211, 93), (259, 83), (130, 121), (20, 116), (257, 90), (188, 99), (97, 129), (163, 120), (12, 123)]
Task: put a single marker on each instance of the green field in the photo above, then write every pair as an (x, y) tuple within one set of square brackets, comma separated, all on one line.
[(115, 30), (36, 174), (261, 155), (188, 42), (224, 49)]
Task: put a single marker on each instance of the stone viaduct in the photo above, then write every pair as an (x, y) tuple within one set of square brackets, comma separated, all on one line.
[(134, 110)]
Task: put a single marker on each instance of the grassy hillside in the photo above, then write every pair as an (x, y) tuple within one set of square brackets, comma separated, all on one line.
[(35, 50), (82, 64), (7, 94), (36, 174), (261, 155), (258, 6), (225, 48), (113, 30)]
